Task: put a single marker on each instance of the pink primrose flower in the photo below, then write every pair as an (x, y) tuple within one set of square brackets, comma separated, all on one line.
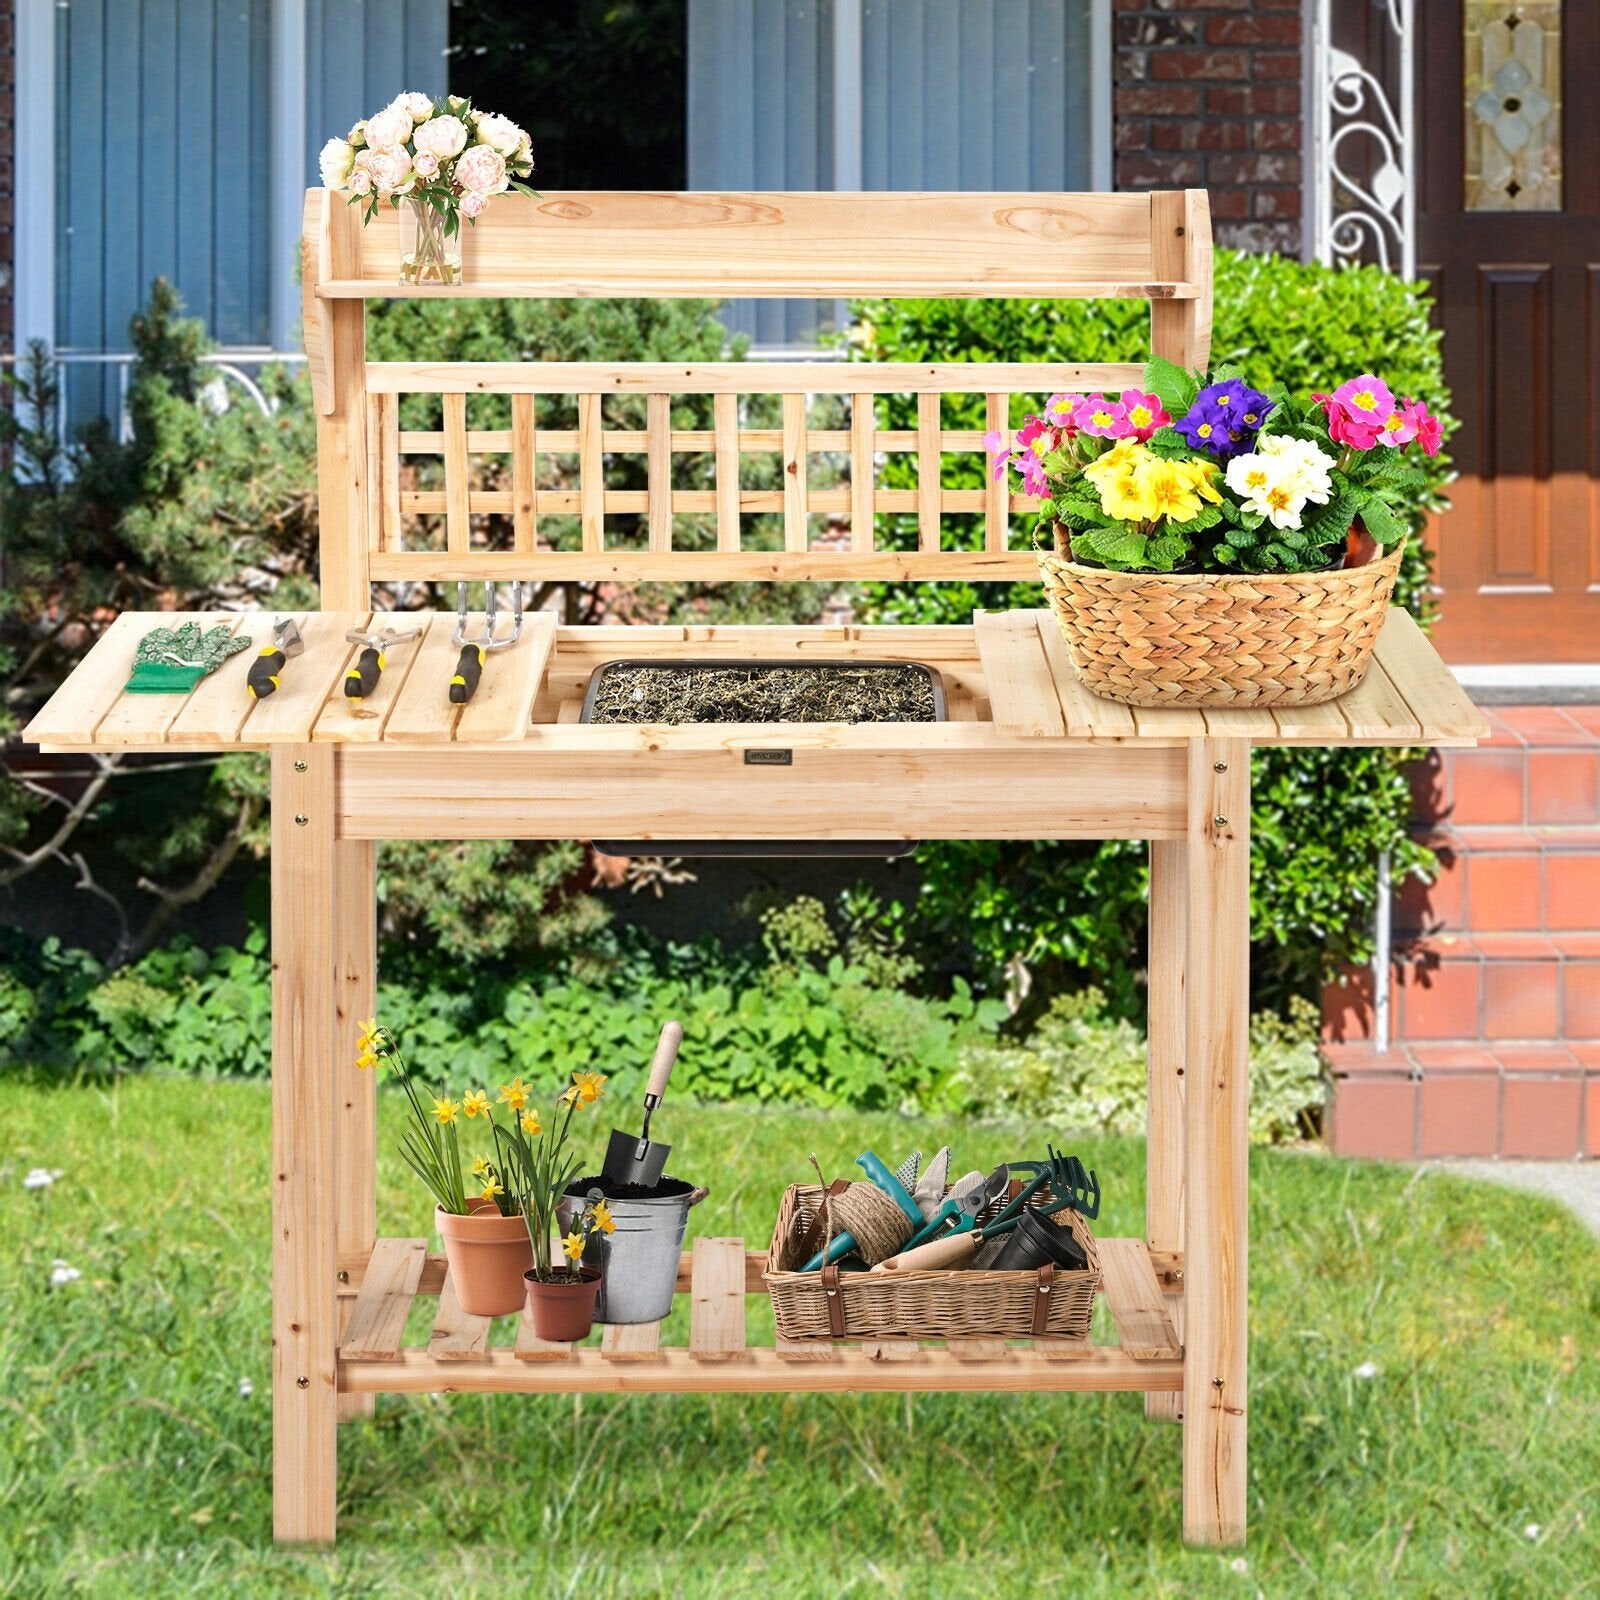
[(1108, 419), (999, 447), (1145, 413), (1424, 426), (1059, 411), (1366, 400)]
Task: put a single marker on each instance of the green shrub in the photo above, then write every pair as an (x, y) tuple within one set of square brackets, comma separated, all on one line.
[(1076, 912), (1084, 1071)]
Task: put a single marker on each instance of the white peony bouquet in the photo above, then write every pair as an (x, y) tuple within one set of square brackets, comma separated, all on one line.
[(446, 160)]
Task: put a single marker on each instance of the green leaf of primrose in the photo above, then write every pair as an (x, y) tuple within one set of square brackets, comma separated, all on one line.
[(1170, 384)]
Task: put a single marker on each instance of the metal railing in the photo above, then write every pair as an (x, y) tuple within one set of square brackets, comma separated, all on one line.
[(234, 367)]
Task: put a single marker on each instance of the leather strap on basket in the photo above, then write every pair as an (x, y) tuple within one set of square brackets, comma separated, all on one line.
[(1041, 1301), (833, 1299), (812, 1242)]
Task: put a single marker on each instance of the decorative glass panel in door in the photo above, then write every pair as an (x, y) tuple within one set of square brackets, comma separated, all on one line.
[(1512, 58)]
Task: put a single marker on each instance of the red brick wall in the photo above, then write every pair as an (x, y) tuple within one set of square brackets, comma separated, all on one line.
[(1208, 96), (8, 165)]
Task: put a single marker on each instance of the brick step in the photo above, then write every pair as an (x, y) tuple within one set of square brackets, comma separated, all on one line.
[(1505, 880), (1539, 766), (1463, 1099), (1490, 987)]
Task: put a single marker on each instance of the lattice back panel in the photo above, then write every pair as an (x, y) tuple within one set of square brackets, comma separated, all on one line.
[(856, 453)]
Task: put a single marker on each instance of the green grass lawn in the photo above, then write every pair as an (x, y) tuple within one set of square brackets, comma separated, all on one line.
[(1425, 1380)]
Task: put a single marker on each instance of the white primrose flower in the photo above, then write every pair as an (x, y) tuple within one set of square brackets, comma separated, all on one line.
[(418, 106), (1275, 487), (337, 162), (1313, 463)]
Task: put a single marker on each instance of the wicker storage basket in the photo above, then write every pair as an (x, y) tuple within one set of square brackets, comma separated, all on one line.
[(1219, 638), (939, 1304)]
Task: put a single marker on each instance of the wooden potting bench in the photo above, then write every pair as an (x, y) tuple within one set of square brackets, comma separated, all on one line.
[(1026, 754)]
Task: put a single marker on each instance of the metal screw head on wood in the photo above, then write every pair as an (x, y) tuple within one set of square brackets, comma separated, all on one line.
[(1219, 822), (1219, 766), (300, 766), (301, 819)]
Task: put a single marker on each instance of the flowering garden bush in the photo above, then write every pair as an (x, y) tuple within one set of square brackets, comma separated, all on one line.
[(1244, 480)]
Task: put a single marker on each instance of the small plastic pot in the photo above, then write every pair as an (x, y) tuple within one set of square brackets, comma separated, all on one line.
[(563, 1311), (1036, 1243)]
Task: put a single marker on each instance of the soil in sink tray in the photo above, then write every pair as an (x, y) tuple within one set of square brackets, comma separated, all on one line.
[(756, 691)]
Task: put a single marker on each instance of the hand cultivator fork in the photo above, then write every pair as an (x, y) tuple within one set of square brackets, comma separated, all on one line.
[(469, 668)]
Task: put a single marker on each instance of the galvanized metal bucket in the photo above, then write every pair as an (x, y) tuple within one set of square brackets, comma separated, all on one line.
[(639, 1261)]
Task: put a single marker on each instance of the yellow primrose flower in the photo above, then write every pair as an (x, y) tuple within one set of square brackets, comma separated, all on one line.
[(475, 1103), (480, 1167), (445, 1110), (573, 1245), (490, 1190), (1168, 492), (514, 1094), (1121, 458), (530, 1124), (587, 1087), (603, 1219)]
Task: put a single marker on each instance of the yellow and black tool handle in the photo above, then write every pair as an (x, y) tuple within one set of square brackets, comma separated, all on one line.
[(265, 671), (469, 669), (363, 677)]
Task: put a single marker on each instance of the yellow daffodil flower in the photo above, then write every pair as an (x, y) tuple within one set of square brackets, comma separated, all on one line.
[(366, 1061), (530, 1124), (475, 1103), (480, 1167), (603, 1219), (369, 1034), (587, 1087), (573, 1245), (445, 1110), (490, 1190), (514, 1094)]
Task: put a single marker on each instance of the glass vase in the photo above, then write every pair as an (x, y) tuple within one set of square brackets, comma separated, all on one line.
[(427, 253)]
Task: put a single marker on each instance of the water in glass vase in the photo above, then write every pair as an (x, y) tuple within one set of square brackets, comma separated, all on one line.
[(427, 253)]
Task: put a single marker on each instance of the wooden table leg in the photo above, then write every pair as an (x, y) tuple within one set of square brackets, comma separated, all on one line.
[(1216, 1142), (1168, 1028), (355, 1131), (305, 1315)]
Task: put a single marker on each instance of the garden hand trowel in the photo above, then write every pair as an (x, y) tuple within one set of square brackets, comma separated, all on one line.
[(638, 1160)]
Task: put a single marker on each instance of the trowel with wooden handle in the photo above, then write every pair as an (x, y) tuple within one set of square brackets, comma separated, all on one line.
[(638, 1160)]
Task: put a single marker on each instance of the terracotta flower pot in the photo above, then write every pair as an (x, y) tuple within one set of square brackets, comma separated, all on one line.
[(488, 1255), (562, 1311)]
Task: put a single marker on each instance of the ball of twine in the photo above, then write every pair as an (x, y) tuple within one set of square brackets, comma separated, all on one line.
[(878, 1223)]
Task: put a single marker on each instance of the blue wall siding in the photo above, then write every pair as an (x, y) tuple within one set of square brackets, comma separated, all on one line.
[(359, 56), (163, 122), (761, 117), (955, 94)]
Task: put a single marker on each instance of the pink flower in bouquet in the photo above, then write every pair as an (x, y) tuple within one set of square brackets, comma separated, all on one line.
[(389, 129), (999, 447), (1145, 413), (1059, 411), (472, 204), (361, 174), (418, 106), (440, 136), (482, 170), (1424, 426), (1106, 418), (390, 169), (425, 164)]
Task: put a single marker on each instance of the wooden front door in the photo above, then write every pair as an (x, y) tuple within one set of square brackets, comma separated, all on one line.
[(1508, 218)]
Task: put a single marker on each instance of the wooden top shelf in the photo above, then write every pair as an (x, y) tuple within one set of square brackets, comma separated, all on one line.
[(619, 284), (1008, 681)]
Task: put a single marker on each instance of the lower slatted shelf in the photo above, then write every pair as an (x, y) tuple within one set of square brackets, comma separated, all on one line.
[(718, 1275)]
